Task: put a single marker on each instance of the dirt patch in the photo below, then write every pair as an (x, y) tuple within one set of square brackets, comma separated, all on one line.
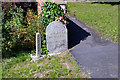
[(42, 74), (39, 75), (41, 64), (65, 65)]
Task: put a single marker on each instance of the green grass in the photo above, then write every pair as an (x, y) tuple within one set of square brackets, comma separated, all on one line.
[(58, 66), (100, 17)]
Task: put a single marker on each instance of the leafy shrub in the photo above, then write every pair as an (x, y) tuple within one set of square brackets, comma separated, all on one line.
[(34, 26), (13, 21), (51, 12), (19, 31)]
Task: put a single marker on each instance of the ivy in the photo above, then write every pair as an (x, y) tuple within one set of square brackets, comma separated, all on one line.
[(51, 12)]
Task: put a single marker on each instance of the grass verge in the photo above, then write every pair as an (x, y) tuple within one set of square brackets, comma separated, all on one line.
[(57, 66), (100, 17)]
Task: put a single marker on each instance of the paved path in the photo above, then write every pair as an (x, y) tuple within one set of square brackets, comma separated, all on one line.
[(97, 58)]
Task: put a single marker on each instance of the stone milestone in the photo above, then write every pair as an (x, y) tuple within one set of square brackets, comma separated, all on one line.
[(56, 37), (38, 44)]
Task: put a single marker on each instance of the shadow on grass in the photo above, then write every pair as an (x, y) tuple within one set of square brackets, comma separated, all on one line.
[(111, 3), (75, 34), (18, 52)]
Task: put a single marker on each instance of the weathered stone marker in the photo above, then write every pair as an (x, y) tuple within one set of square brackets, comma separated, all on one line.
[(38, 44), (56, 37)]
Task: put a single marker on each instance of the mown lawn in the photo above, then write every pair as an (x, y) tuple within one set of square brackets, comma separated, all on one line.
[(102, 18), (57, 66)]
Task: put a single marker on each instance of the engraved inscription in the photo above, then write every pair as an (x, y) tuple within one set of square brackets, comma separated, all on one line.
[(56, 37)]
